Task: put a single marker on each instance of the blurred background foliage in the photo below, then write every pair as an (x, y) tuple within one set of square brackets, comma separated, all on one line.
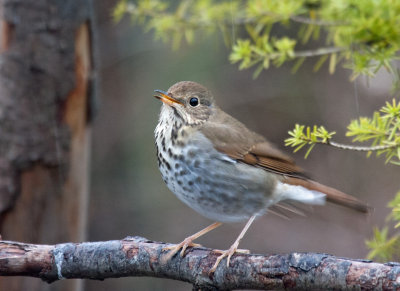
[(362, 37)]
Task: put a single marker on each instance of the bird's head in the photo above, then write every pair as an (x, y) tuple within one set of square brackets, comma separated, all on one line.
[(190, 101)]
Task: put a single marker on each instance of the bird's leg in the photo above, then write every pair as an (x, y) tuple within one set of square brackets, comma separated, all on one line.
[(188, 242), (234, 248)]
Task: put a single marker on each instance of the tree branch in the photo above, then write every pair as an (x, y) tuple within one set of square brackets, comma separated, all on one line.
[(361, 148), (307, 20), (137, 256)]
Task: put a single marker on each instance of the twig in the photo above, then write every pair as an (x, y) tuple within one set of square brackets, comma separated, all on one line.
[(137, 256), (318, 22), (361, 148), (239, 20), (319, 52)]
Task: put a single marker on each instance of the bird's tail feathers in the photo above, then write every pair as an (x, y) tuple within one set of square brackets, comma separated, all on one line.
[(331, 194), (300, 194)]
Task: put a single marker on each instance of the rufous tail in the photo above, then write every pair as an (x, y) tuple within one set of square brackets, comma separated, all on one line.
[(332, 195)]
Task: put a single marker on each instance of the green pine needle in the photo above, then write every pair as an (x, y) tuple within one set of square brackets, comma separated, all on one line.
[(363, 36)]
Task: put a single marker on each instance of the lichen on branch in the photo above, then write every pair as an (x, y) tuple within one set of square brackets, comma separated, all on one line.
[(137, 256)]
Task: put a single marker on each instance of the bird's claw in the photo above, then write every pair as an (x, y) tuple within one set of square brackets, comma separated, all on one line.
[(187, 242), (227, 253)]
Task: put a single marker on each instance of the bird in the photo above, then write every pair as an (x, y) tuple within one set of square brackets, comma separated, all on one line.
[(225, 171)]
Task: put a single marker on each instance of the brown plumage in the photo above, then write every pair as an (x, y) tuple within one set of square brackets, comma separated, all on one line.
[(253, 149), (223, 170)]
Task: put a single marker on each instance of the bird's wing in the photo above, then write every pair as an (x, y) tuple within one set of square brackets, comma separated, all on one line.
[(243, 145)]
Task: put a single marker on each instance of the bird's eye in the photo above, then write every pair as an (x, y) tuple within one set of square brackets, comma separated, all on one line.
[(194, 101)]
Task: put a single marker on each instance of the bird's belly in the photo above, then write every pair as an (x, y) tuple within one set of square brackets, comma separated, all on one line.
[(216, 186)]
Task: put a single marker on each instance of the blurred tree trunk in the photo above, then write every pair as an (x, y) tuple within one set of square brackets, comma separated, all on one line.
[(45, 65)]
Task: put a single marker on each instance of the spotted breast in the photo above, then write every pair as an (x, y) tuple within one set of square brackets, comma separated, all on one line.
[(207, 180)]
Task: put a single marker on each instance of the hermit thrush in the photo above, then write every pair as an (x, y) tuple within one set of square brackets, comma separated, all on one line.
[(224, 171)]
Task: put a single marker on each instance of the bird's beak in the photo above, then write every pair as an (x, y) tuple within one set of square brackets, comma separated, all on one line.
[(164, 97)]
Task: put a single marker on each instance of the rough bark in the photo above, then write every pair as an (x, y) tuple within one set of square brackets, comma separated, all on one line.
[(136, 256), (45, 68)]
